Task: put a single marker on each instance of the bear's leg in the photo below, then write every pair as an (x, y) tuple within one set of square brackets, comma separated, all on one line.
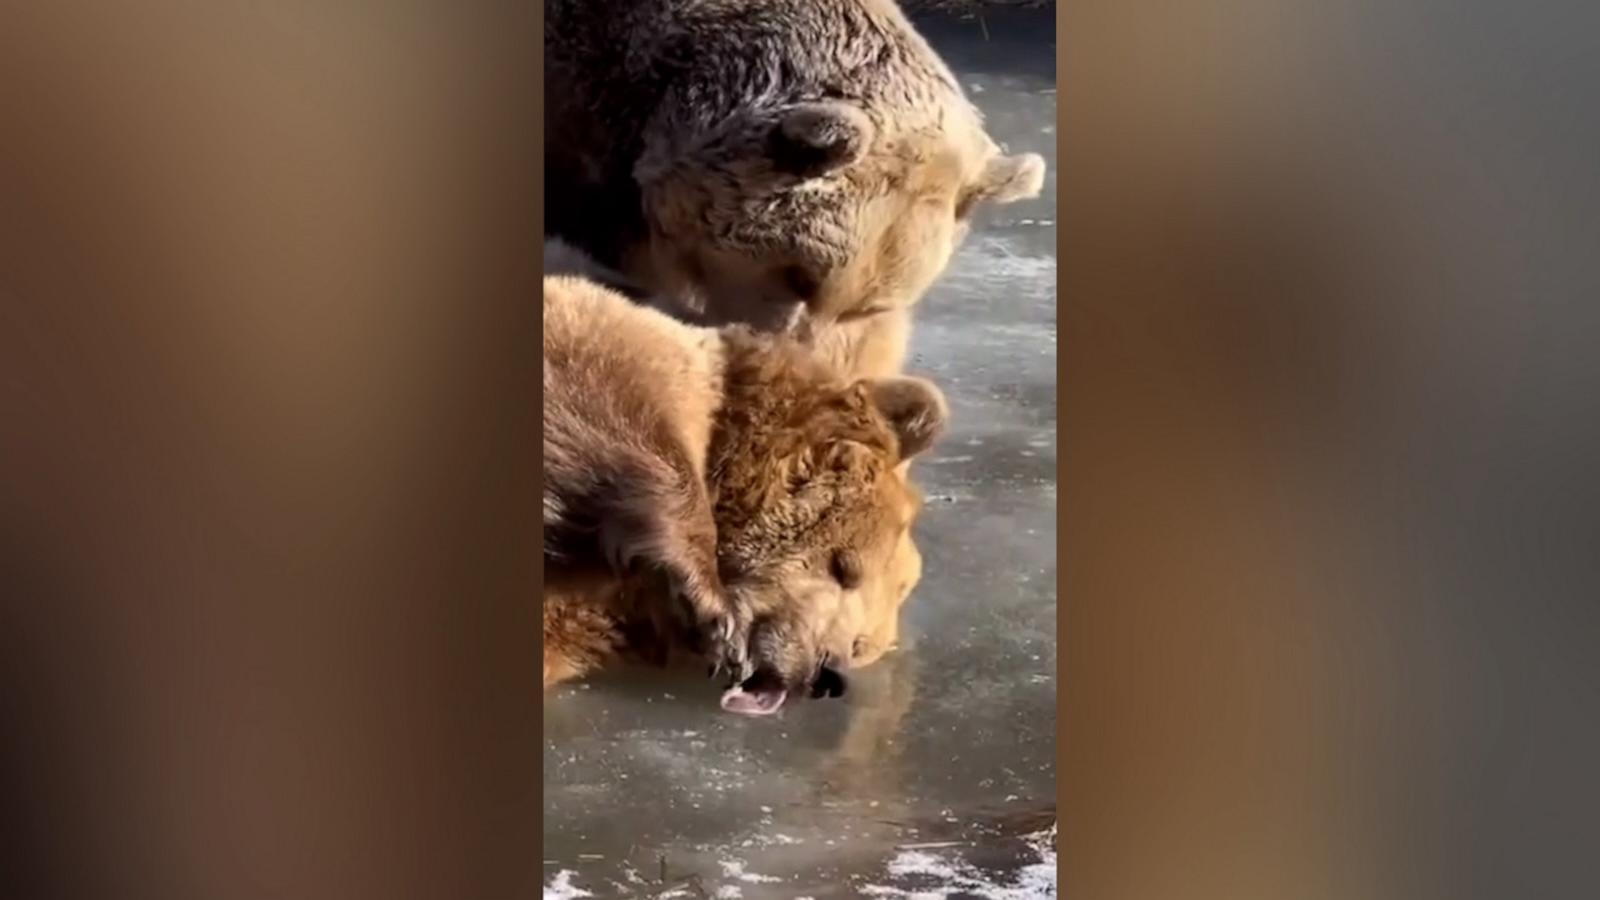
[(667, 525)]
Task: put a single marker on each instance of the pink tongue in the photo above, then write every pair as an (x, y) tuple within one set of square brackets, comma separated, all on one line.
[(762, 701)]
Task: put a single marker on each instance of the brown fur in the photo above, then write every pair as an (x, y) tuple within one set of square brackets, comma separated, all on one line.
[(593, 622), (804, 473), (625, 440), (787, 164)]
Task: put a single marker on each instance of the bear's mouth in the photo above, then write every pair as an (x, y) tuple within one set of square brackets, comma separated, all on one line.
[(764, 693)]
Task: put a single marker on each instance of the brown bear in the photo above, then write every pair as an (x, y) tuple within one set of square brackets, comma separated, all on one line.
[(792, 165), (593, 621), (735, 470)]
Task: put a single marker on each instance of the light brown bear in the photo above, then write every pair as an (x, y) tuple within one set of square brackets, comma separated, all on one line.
[(594, 621), (731, 468), (793, 165)]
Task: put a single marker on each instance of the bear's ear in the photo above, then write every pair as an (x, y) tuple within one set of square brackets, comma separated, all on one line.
[(812, 139), (1006, 179), (915, 408)]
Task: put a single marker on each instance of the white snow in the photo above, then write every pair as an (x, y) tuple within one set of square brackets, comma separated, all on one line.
[(562, 887)]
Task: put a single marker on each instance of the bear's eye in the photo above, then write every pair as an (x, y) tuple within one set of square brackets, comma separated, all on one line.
[(859, 647), (964, 205), (845, 567), (857, 314), (800, 281)]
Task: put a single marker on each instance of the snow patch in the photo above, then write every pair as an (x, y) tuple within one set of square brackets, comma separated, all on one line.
[(733, 868), (562, 887), (920, 875)]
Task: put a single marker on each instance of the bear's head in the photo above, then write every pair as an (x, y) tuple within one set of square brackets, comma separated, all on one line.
[(817, 217), (814, 515)]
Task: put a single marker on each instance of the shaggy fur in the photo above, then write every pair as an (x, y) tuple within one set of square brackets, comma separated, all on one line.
[(803, 474), (625, 440), (788, 164)]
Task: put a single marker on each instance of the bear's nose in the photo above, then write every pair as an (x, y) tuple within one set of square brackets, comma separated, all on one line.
[(801, 282), (829, 683)]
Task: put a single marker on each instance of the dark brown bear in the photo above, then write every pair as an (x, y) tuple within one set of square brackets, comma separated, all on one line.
[(794, 165)]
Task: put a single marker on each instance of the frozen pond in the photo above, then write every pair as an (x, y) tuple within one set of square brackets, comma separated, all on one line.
[(935, 775)]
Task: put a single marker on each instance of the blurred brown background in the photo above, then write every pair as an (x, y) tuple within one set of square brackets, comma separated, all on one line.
[(1329, 394), (267, 449)]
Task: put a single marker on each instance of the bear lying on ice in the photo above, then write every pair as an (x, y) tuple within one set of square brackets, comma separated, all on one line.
[(734, 473)]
